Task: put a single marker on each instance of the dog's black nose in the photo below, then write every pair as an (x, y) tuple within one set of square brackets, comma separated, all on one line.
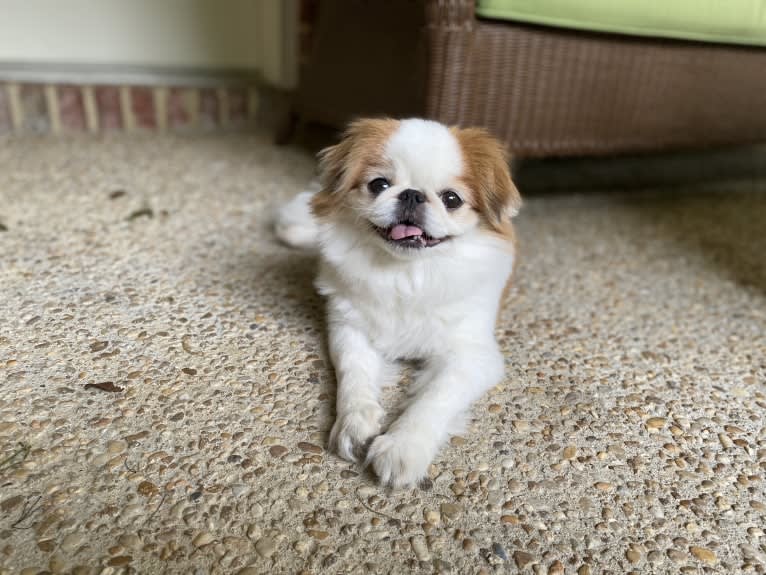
[(410, 198)]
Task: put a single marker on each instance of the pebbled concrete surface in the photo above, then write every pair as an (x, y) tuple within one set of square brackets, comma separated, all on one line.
[(165, 396)]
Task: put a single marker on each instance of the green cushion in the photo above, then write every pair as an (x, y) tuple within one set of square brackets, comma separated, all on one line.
[(727, 21)]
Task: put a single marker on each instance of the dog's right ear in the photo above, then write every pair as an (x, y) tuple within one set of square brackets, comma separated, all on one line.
[(341, 166)]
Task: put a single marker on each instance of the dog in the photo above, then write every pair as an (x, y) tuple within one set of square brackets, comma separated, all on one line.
[(412, 221)]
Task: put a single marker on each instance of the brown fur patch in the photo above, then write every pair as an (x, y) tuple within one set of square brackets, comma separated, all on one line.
[(494, 195), (341, 166), (488, 176)]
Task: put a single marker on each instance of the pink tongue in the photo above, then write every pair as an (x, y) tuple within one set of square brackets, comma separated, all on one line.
[(401, 231)]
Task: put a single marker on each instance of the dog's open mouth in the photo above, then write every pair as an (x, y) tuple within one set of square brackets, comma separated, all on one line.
[(408, 235)]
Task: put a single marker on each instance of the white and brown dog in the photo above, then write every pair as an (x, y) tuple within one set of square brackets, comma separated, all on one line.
[(413, 223)]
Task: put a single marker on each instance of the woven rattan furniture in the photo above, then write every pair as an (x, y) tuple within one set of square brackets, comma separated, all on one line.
[(545, 91)]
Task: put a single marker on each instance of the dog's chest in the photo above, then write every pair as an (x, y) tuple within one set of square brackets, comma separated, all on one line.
[(412, 313), (406, 327)]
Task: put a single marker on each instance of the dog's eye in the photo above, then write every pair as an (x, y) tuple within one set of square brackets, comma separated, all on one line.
[(451, 200), (378, 185)]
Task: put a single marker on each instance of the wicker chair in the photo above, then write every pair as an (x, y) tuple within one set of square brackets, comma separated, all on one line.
[(545, 91)]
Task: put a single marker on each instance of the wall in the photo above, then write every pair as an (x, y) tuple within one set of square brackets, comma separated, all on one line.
[(121, 35)]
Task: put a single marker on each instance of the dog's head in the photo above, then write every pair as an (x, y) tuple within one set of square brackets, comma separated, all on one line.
[(416, 185)]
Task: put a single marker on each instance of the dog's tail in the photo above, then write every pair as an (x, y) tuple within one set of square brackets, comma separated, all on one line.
[(294, 224)]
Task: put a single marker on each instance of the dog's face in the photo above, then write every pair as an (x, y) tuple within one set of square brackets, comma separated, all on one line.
[(416, 185)]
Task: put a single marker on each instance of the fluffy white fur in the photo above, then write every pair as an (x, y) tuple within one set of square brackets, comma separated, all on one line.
[(294, 223), (438, 306)]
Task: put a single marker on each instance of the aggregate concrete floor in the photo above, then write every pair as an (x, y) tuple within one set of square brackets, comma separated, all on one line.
[(165, 395)]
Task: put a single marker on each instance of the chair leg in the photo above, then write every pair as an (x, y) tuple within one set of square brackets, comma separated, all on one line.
[(287, 127)]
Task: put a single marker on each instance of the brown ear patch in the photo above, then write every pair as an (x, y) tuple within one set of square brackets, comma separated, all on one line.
[(488, 176), (342, 165)]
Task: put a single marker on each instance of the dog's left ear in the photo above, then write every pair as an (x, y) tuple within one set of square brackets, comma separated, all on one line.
[(488, 175)]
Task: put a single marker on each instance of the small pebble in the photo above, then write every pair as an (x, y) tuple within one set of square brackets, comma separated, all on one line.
[(253, 532), (238, 489), (676, 556), (432, 516), (147, 488), (522, 558), (633, 555), (703, 554), (498, 550), (130, 541), (310, 447), (521, 425), (203, 539), (451, 510), (278, 450), (655, 422), (420, 548), (116, 446), (72, 542), (266, 546), (120, 560)]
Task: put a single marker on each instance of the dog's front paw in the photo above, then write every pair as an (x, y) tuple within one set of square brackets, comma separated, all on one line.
[(400, 459), (354, 429)]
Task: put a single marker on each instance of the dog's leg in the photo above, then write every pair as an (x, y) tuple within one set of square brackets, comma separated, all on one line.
[(401, 456), (361, 371)]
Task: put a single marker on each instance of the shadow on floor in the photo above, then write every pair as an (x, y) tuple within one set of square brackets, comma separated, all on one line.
[(726, 226), (283, 282), (564, 175), (712, 201)]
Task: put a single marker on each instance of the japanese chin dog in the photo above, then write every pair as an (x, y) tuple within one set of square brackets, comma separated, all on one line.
[(412, 221)]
